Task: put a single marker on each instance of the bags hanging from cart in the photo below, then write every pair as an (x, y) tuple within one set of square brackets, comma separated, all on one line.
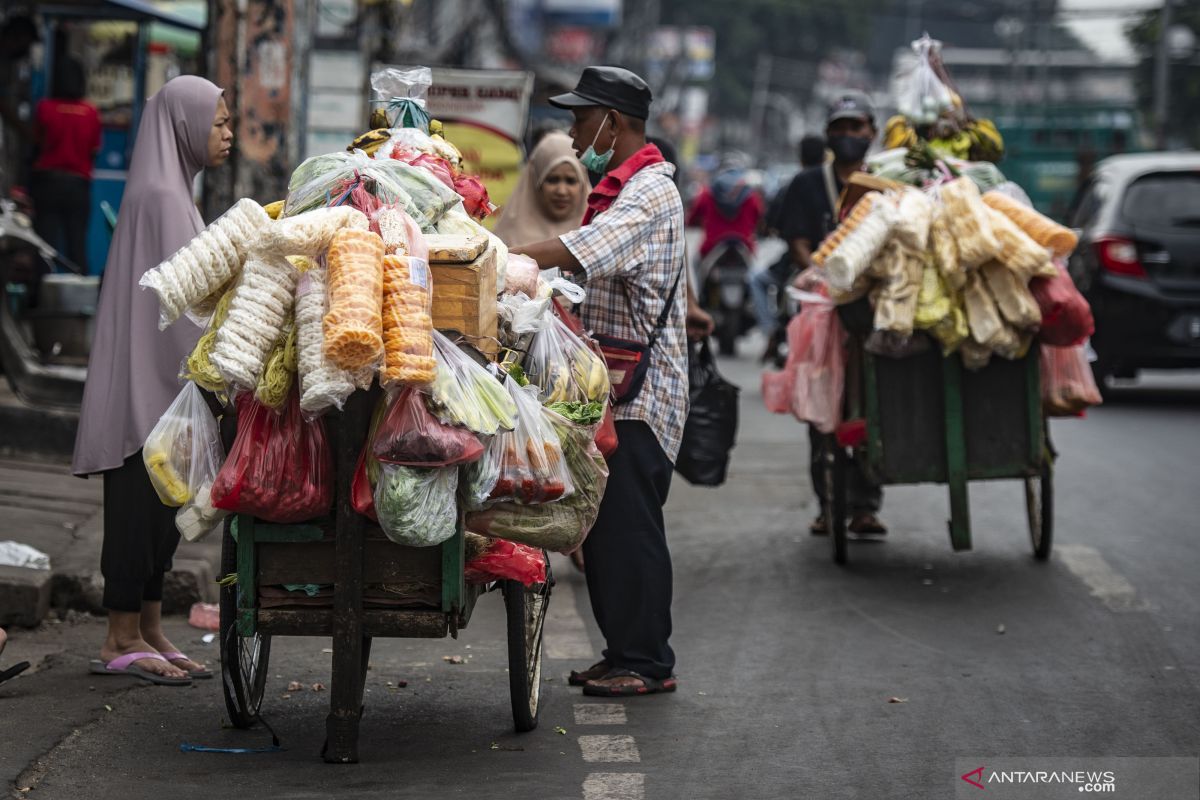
[(417, 507), (505, 560), (712, 422), (1066, 316), (817, 353), (1068, 386), (280, 468), (531, 466), (606, 434), (366, 473), (412, 437)]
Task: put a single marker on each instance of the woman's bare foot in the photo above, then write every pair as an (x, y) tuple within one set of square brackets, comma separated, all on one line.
[(150, 625)]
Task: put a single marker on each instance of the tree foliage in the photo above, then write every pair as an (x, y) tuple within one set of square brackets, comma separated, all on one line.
[(1183, 94)]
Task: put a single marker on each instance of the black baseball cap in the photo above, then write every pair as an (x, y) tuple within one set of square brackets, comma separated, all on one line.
[(609, 87), (851, 105)]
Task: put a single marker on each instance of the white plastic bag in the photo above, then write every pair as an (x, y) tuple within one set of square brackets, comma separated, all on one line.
[(924, 97), (401, 91)]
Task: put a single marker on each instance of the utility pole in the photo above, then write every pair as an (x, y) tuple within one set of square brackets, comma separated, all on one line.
[(1162, 74), (758, 100)]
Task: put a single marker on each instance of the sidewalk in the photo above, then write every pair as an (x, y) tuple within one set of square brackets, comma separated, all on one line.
[(44, 506)]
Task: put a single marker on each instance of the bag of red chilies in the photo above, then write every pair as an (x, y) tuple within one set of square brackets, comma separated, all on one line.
[(505, 560), (1066, 315), (280, 468)]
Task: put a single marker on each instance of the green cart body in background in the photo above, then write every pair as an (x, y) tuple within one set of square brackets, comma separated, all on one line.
[(380, 589), (930, 420)]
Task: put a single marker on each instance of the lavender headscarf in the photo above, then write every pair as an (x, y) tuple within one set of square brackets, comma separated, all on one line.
[(134, 367)]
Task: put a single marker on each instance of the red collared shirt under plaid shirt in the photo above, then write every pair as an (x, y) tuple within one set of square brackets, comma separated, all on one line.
[(639, 242)]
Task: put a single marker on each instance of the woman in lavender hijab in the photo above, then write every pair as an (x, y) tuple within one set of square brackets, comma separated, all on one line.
[(132, 373)]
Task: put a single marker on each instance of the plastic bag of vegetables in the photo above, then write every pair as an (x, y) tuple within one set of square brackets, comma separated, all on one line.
[(181, 448), (412, 437), (464, 393), (561, 526), (280, 468), (564, 368), (531, 463), (417, 507)]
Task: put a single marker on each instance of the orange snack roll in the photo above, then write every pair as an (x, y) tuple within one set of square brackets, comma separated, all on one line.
[(1059, 240), (354, 325), (856, 215), (407, 323)]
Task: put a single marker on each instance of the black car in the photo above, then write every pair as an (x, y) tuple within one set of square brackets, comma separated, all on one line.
[(1138, 261)]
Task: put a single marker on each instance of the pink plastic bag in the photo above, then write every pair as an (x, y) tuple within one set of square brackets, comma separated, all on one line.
[(777, 390), (1066, 316), (205, 616), (1068, 386), (817, 359)]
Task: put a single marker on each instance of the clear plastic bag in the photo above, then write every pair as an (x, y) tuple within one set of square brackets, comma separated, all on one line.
[(564, 368), (1061, 241), (507, 561), (817, 360), (1068, 386), (322, 384), (522, 276), (366, 472), (311, 233), (198, 367), (914, 214), (561, 526), (207, 263), (183, 452), (466, 394), (280, 468), (532, 469), (896, 303), (1018, 252), (969, 223), (417, 507), (354, 322), (258, 312), (1016, 303), (407, 304), (412, 437), (400, 92), (924, 97)]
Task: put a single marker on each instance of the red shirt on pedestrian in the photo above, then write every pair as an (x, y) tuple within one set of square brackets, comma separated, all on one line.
[(69, 135), (719, 224)]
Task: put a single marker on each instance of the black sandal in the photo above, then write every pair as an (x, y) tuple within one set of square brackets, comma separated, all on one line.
[(13, 671), (649, 685), (597, 670)]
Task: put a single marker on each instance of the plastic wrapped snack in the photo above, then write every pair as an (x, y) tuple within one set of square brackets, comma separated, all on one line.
[(280, 370), (198, 368), (1068, 386), (1011, 343), (207, 263), (896, 303), (969, 223), (1046, 232), (982, 315), (814, 375), (464, 393), (945, 251), (353, 323), (940, 312), (1018, 252), (280, 468), (407, 309), (857, 214), (854, 255), (914, 214), (564, 368), (322, 385), (179, 438), (412, 437), (261, 305), (531, 465), (417, 507), (311, 233), (1016, 303), (398, 97)]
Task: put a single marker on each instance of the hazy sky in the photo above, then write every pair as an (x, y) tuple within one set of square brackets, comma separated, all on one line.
[(1105, 35)]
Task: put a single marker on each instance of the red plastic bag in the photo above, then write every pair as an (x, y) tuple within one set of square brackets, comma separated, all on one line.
[(1068, 386), (410, 436), (474, 195), (606, 434), (366, 472), (1066, 315), (777, 388), (817, 360), (507, 561), (280, 468)]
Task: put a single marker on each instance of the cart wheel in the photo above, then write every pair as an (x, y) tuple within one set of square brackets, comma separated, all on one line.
[(526, 607), (243, 659), (835, 491), (1039, 503)]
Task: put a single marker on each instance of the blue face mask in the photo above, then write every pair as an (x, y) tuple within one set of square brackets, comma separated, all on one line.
[(593, 161)]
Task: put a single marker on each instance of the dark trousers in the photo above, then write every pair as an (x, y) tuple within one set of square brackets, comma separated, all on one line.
[(139, 538), (62, 203), (627, 561), (862, 495)]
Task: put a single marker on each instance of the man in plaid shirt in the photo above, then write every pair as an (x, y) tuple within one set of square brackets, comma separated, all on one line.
[(630, 253)]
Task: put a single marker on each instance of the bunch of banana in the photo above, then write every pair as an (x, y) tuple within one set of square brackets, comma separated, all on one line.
[(171, 488), (591, 375), (986, 142), (559, 388), (898, 133), (371, 141)]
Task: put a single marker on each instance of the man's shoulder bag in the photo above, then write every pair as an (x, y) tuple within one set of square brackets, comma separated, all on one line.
[(627, 360)]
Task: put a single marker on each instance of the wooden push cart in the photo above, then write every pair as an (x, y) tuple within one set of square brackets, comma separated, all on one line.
[(930, 420)]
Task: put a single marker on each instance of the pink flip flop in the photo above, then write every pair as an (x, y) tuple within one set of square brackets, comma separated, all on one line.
[(124, 665), (202, 674)]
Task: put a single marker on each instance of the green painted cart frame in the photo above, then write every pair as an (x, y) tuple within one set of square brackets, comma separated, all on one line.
[(930, 420), (351, 553)]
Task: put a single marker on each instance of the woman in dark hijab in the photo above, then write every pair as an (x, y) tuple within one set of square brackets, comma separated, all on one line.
[(133, 373)]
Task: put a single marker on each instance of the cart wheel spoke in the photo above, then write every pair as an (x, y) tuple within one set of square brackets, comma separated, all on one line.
[(244, 659)]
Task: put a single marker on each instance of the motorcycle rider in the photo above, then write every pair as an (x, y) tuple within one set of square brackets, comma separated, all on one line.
[(728, 209), (807, 216)]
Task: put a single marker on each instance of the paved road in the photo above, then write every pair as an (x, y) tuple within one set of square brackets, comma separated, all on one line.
[(787, 661)]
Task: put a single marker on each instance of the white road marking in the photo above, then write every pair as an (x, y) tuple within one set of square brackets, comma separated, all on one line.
[(566, 634), (599, 714), (609, 749), (1104, 582), (614, 786)]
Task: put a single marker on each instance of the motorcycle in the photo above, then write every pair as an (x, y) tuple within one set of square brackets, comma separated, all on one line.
[(724, 294)]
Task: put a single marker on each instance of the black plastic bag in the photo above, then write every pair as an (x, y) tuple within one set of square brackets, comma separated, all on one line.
[(711, 428)]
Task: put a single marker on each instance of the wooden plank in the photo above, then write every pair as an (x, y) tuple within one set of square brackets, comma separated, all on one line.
[(315, 562), (455, 248), (376, 623), (247, 587)]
